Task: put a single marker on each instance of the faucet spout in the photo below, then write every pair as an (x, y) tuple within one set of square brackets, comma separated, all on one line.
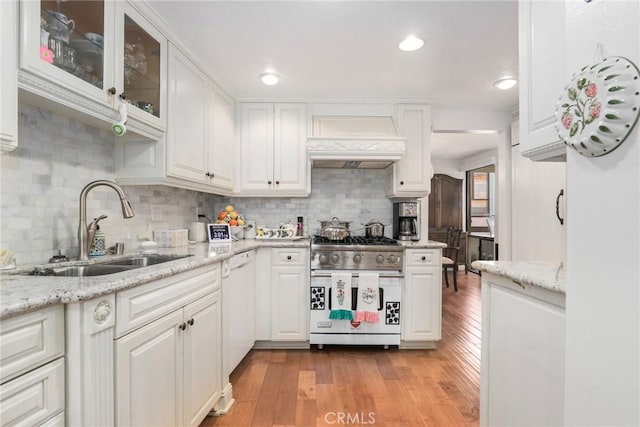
[(85, 232)]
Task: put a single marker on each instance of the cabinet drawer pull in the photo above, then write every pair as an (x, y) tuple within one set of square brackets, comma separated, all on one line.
[(183, 326), (289, 257), (191, 321), (560, 194), (112, 91), (424, 258), (519, 284)]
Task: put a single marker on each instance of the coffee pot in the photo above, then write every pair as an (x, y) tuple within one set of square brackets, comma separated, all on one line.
[(406, 220)]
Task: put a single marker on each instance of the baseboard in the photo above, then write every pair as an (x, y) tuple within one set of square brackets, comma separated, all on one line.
[(281, 345)]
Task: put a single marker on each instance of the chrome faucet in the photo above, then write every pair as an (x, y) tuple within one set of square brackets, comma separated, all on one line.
[(87, 232)]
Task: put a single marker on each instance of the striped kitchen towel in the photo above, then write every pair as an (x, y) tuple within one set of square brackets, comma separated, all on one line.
[(341, 296)]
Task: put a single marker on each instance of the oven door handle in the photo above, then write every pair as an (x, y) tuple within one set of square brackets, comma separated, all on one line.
[(354, 298), (381, 275)]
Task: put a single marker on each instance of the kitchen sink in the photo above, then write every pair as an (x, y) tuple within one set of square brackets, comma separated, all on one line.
[(102, 269), (145, 260)]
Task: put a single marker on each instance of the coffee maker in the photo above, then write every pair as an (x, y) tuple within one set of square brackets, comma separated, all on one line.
[(406, 220)]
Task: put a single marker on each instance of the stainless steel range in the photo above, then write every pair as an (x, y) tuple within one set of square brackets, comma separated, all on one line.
[(355, 255)]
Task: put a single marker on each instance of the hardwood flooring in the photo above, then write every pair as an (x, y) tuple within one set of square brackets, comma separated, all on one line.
[(368, 386)]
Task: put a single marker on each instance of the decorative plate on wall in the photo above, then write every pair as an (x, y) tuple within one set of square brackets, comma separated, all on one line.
[(599, 108)]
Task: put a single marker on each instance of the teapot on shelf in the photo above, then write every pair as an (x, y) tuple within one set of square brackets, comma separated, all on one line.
[(59, 25)]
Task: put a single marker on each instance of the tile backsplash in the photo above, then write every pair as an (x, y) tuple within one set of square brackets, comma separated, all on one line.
[(355, 195), (41, 182)]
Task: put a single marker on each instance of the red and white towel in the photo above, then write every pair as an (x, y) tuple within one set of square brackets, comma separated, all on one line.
[(368, 298)]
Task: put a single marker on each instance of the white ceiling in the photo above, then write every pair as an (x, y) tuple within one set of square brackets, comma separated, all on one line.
[(333, 50), (456, 146)]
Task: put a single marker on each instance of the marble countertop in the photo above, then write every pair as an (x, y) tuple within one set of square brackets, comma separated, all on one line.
[(429, 244), (550, 275), (22, 293)]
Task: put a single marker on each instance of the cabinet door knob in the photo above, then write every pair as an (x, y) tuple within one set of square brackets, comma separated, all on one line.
[(269, 182), (424, 258), (277, 182), (123, 96), (289, 257), (211, 175), (207, 174), (401, 182), (191, 321), (112, 91), (183, 326)]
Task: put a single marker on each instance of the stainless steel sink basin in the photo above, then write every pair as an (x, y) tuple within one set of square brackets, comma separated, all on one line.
[(102, 269), (87, 270), (145, 260)]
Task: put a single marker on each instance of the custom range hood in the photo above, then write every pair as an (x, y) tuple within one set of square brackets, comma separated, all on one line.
[(354, 142)]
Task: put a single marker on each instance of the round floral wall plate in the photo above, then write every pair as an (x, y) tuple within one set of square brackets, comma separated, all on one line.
[(598, 109)]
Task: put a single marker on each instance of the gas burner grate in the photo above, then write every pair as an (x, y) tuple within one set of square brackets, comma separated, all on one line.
[(355, 240)]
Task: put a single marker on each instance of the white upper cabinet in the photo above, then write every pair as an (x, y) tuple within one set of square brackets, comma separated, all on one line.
[(90, 56), (9, 76), (542, 77), (411, 176), (198, 149), (272, 157)]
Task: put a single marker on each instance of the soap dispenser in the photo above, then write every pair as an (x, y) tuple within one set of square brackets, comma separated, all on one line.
[(99, 244)]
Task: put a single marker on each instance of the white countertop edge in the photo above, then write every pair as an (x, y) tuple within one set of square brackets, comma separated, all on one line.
[(429, 244), (550, 275)]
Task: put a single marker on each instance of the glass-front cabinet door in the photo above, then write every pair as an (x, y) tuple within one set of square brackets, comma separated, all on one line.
[(92, 55), (70, 44), (141, 65)]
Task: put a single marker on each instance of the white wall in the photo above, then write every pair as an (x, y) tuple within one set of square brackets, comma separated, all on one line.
[(603, 243)]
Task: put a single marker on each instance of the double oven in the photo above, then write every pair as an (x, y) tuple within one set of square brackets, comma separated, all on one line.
[(355, 255)]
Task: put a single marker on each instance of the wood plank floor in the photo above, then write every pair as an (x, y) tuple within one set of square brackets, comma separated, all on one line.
[(368, 386)]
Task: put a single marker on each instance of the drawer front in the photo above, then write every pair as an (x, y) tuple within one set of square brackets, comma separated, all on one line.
[(143, 304), (423, 257), (57, 421), (289, 256), (34, 397), (30, 340)]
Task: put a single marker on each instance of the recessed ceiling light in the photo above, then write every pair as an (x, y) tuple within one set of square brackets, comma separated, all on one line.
[(505, 83), (411, 43), (270, 78)]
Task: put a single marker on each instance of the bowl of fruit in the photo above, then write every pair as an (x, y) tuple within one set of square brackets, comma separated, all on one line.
[(235, 220)]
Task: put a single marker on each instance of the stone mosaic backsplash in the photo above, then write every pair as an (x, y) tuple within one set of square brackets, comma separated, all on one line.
[(355, 195), (41, 182)]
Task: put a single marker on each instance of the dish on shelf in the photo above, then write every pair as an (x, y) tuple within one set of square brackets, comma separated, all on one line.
[(279, 238), (598, 109)]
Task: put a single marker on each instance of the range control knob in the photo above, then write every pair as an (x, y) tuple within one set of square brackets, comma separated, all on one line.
[(392, 259), (357, 258), (379, 259), (323, 259), (335, 258)]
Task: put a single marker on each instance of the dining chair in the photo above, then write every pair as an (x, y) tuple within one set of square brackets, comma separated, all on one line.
[(450, 256)]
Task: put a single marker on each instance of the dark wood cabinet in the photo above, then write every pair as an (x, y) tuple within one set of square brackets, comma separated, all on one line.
[(445, 210)]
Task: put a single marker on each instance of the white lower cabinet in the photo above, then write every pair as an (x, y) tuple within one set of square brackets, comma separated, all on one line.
[(523, 345), (169, 371), (421, 316), (282, 297), (9, 76), (32, 368), (148, 355)]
